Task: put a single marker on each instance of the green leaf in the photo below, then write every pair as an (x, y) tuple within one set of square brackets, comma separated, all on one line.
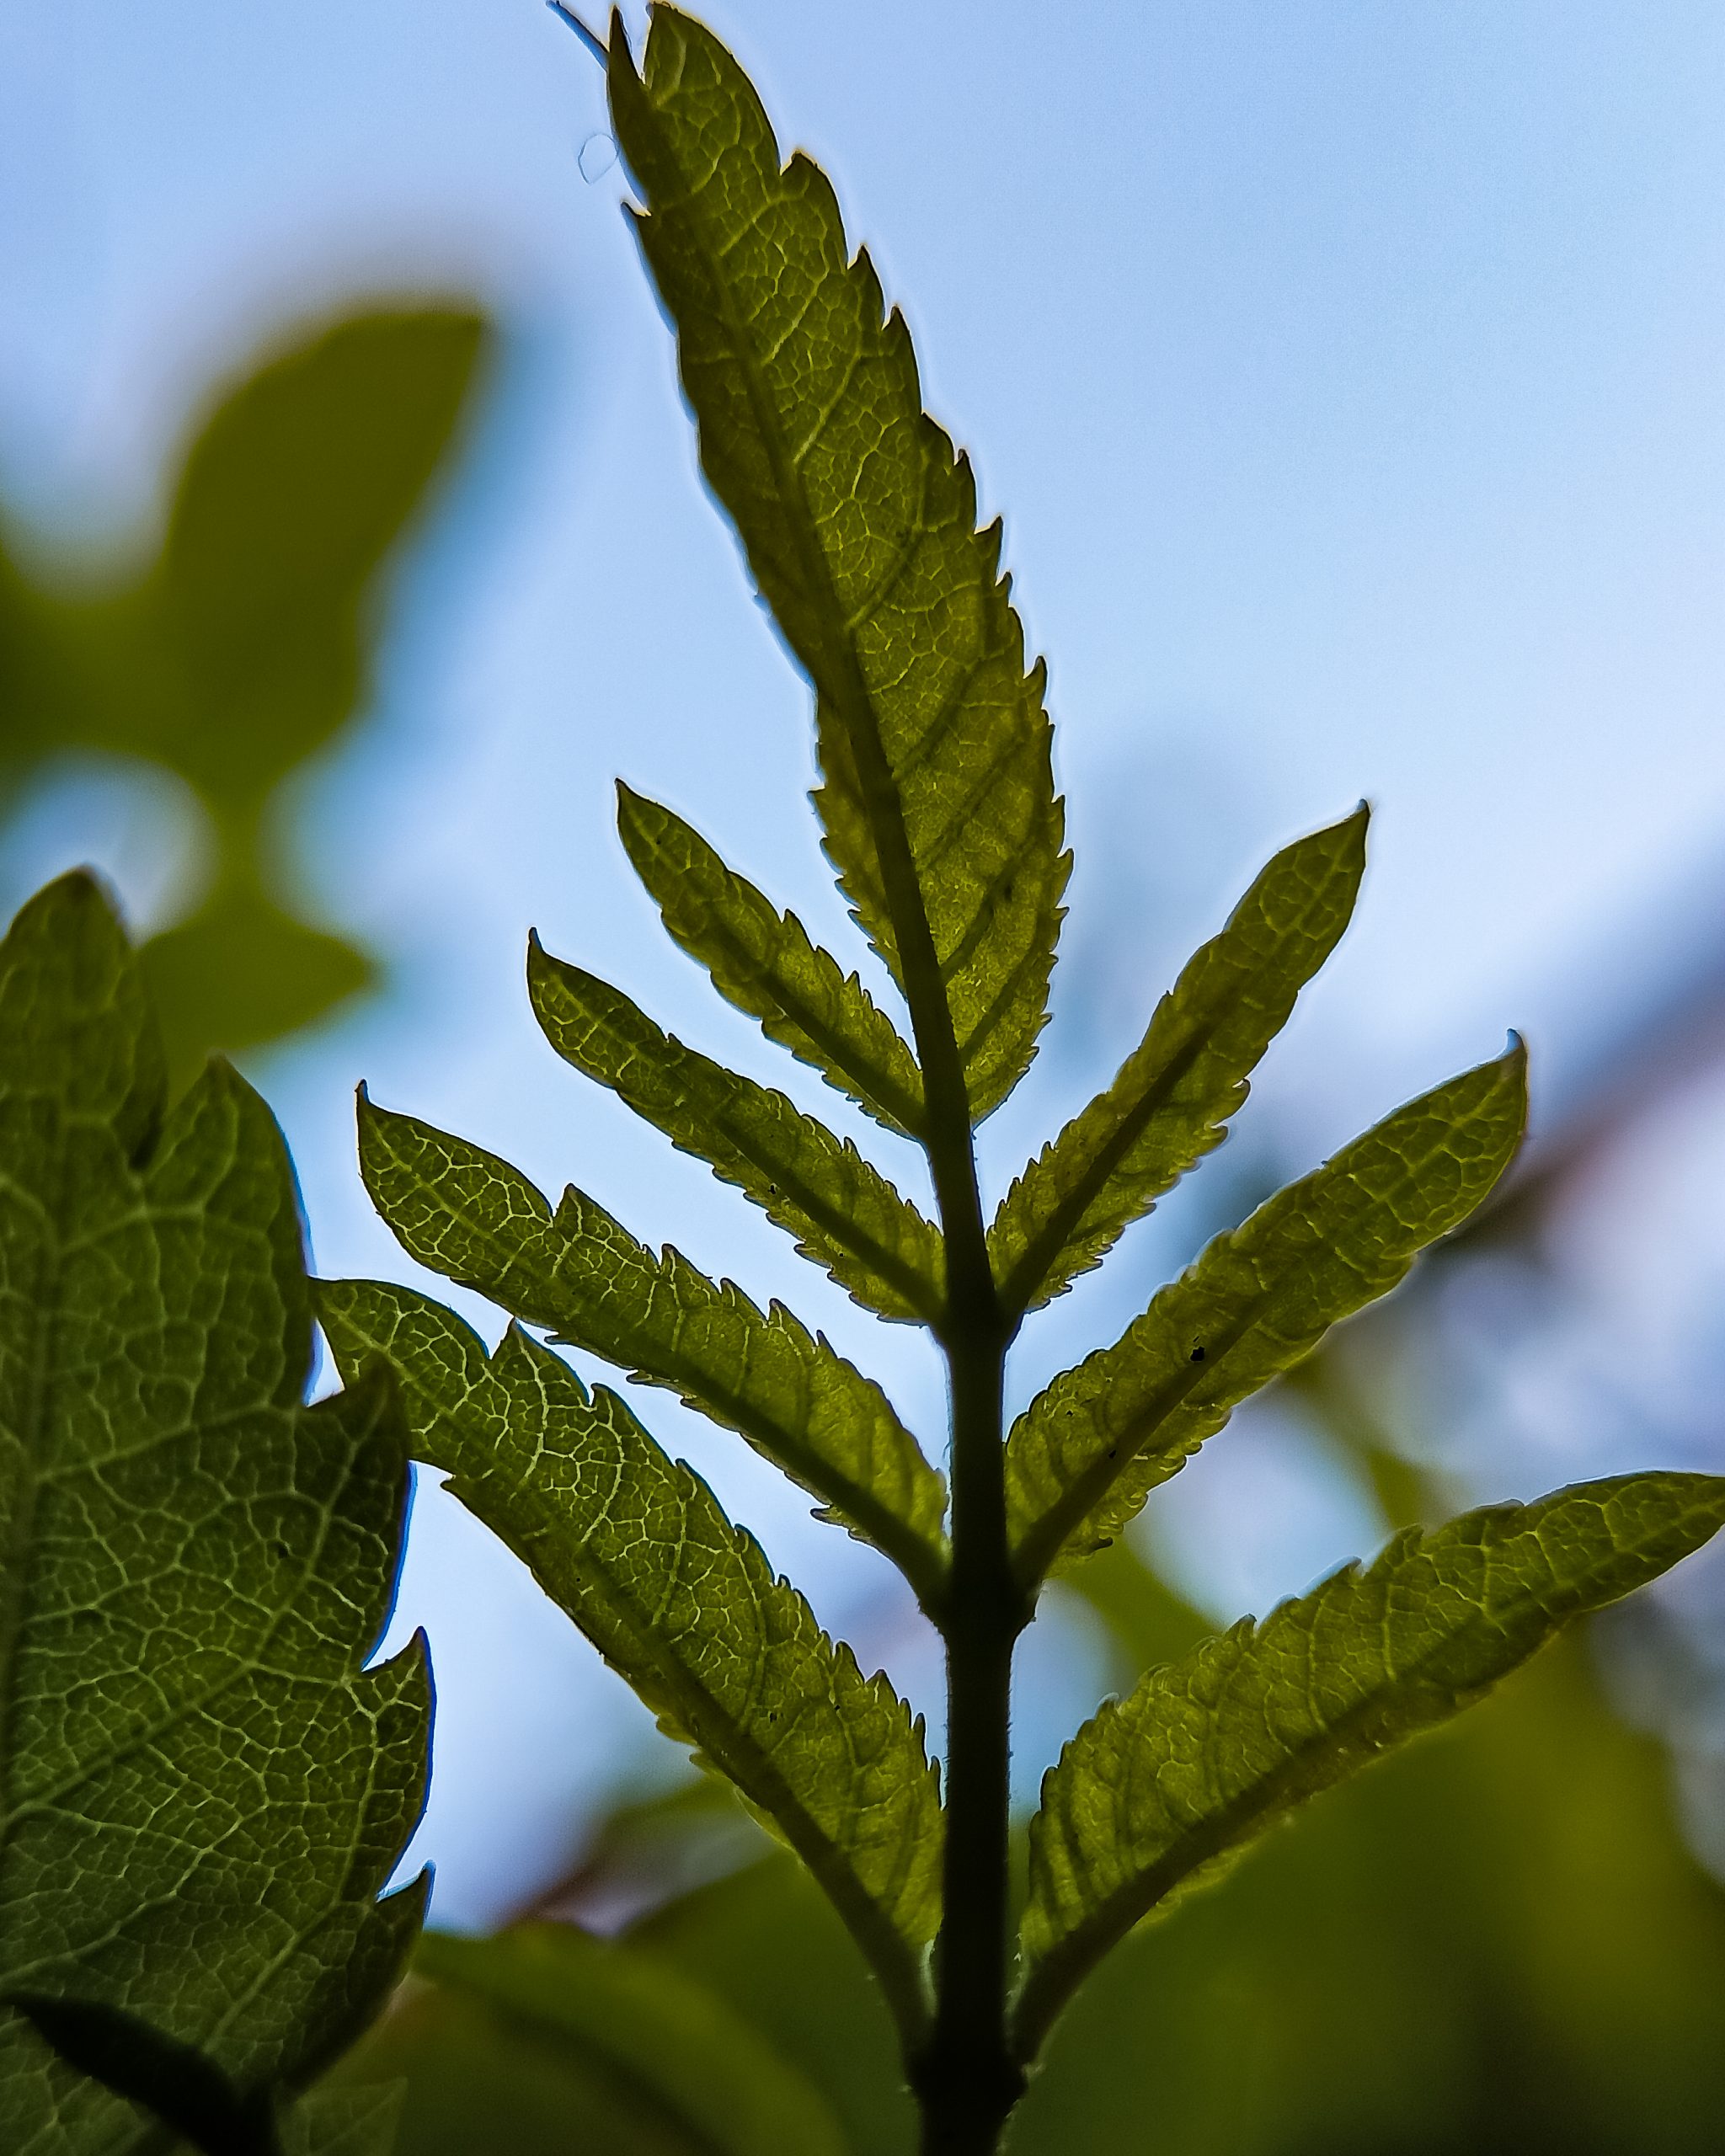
[(859, 523), (762, 961), (684, 1605), (1173, 1096), (844, 1212), (344, 2122), (202, 1788), (1085, 1455), (476, 1220), (1209, 1751), (672, 2049)]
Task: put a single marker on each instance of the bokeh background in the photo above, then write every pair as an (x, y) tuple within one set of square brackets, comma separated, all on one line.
[(1350, 379)]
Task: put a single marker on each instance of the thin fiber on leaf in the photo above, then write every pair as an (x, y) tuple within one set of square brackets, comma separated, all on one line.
[(1083, 1457), (860, 524), (762, 961), (844, 1214), (1173, 1096), (684, 1605), (1209, 1751), (202, 1787), (479, 1222)]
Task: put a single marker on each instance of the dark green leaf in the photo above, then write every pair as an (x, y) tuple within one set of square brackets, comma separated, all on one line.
[(1083, 1457), (673, 2050), (344, 2121), (1175, 1093), (762, 961), (845, 1215), (859, 523), (202, 1788), (172, 2082), (479, 1222), (1209, 1751), (684, 1605)]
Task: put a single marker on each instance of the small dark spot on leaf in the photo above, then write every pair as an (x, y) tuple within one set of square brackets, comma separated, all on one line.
[(1198, 1354)]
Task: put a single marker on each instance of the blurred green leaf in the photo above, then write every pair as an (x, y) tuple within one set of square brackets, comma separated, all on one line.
[(622, 2036), (246, 645)]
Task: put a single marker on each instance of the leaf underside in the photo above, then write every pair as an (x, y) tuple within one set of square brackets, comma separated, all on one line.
[(860, 525), (1083, 1457), (684, 1605), (763, 961), (1160, 1789), (202, 1788), (1173, 1096), (844, 1214), (476, 1220)]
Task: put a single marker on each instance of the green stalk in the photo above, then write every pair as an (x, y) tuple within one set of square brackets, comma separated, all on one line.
[(966, 2079)]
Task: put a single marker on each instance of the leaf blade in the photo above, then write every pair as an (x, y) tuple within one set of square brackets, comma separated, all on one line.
[(859, 523), (1172, 1100), (1210, 1751), (1085, 1455), (633, 1546), (845, 1215), (479, 1222), (763, 961), (198, 1566)]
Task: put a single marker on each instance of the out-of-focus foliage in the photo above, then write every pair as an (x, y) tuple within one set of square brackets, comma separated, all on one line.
[(245, 647), (202, 1786)]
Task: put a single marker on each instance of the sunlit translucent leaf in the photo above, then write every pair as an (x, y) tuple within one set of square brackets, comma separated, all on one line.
[(474, 1219), (1209, 1751), (762, 961), (202, 1789), (1175, 1093), (1088, 1451), (683, 1604), (859, 523), (672, 2050), (845, 1215)]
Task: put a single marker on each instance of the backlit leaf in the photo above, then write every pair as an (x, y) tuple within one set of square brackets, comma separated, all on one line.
[(859, 523), (1175, 1093), (684, 1605), (1086, 1453), (202, 1787), (476, 1220), (1209, 1751), (762, 961), (844, 1212)]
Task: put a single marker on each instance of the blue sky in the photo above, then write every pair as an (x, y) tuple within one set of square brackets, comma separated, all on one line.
[(1350, 379)]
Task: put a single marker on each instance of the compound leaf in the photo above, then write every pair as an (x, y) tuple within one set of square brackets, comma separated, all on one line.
[(202, 1788), (845, 1215), (1209, 1751), (859, 523), (479, 1222), (1175, 1093), (1086, 1453), (633, 1545), (762, 961)]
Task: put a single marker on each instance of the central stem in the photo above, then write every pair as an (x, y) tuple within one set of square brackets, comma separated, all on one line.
[(967, 2081)]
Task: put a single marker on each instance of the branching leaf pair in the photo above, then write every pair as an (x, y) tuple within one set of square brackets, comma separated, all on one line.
[(858, 521)]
